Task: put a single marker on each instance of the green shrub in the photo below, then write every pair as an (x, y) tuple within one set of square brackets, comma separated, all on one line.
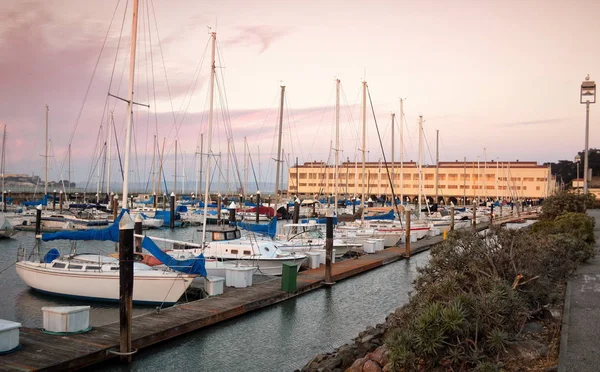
[(564, 202)]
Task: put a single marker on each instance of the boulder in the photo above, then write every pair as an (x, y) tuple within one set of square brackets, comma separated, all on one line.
[(380, 355), (357, 366), (371, 366)]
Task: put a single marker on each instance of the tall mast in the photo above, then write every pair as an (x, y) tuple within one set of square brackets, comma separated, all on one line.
[(211, 93), (497, 176), (69, 189), (485, 173), (465, 181), (154, 149), (393, 175), (364, 149), (3, 162), (183, 174), (227, 166), (420, 160), (401, 151), (175, 180), (46, 155), (337, 145), (246, 153), (278, 161), (200, 159), (110, 126), (437, 162), (130, 103)]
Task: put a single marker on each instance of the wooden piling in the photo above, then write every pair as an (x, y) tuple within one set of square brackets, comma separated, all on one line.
[(257, 205), (54, 200), (115, 206), (328, 250), (452, 218), (219, 205), (38, 221), (60, 201), (474, 221), (4, 201), (232, 219), (172, 211), (164, 203), (407, 230), (137, 229), (154, 201), (126, 228), (296, 210)]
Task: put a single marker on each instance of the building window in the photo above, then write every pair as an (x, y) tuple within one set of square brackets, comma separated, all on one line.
[(416, 176), (464, 186), (429, 186), (442, 177), (452, 177), (542, 179), (537, 188), (452, 186), (528, 179), (428, 177), (489, 187)]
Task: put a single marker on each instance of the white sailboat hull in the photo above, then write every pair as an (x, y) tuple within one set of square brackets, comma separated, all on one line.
[(149, 286)]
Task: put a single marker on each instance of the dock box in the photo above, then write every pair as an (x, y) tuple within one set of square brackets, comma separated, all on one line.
[(314, 259), (369, 246), (9, 335), (239, 277), (214, 285), (66, 319), (288, 277)]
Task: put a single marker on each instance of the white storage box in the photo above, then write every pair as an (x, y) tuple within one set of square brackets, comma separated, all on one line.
[(369, 246), (239, 277), (214, 285), (314, 259), (413, 238), (66, 318), (379, 244), (9, 335)]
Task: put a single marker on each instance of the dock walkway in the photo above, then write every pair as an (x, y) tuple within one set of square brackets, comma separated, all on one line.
[(45, 352)]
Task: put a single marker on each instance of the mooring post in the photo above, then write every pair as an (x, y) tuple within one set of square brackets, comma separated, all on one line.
[(126, 227), (328, 249), (54, 200), (164, 203), (519, 209), (115, 206), (452, 218), (60, 201), (154, 201), (474, 216), (257, 204), (492, 214), (296, 210), (407, 231), (137, 229), (353, 205), (38, 221), (219, 209), (232, 208), (172, 211), (131, 202), (4, 201)]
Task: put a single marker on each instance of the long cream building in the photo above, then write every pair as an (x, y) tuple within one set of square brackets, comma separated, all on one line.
[(456, 180)]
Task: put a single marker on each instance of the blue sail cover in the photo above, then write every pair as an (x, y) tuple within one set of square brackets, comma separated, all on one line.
[(249, 204), (110, 233), (43, 201), (318, 220), (387, 216), (269, 229), (147, 202), (191, 266)]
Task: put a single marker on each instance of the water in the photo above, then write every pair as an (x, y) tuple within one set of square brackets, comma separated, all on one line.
[(282, 337)]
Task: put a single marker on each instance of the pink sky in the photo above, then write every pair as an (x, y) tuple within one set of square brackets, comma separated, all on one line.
[(501, 75)]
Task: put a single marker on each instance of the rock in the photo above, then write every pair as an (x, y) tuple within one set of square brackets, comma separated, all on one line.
[(528, 350), (367, 338), (551, 369), (380, 355), (387, 368), (371, 366), (357, 366), (533, 327)]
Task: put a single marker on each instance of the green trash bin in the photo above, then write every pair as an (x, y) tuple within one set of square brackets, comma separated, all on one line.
[(288, 277)]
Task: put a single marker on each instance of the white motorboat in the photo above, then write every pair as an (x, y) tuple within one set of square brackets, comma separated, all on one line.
[(304, 237), (96, 277)]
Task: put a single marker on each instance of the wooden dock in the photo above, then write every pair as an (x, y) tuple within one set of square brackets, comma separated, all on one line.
[(45, 352)]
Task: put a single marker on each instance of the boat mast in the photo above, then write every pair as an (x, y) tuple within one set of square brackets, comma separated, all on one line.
[(213, 36), (154, 170), (437, 162), (46, 156), (246, 152), (485, 173), (337, 145), (69, 189), (110, 126), (278, 161), (183, 173), (175, 178), (130, 103), (420, 160), (3, 162), (465, 182), (497, 176), (401, 151), (200, 160), (364, 150), (393, 175)]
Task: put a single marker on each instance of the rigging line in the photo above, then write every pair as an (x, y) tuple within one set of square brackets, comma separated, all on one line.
[(146, 28), (252, 166), (94, 154), (165, 71), (226, 104), (353, 125), (152, 74), (324, 111), (384, 159), (93, 74)]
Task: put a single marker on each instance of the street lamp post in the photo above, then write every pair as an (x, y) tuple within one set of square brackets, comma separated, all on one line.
[(588, 95), (577, 160)]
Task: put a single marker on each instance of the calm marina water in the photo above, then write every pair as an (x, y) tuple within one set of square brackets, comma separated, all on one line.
[(282, 337)]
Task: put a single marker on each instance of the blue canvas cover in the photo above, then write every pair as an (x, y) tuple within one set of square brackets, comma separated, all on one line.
[(318, 220), (191, 266), (110, 233), (43, 201), (386, 216), (269, 229)]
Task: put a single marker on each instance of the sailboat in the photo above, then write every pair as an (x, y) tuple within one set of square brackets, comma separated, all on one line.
[(94, 276)]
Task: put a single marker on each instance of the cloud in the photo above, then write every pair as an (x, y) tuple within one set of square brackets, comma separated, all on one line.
[(533, 122), (261, 35)]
